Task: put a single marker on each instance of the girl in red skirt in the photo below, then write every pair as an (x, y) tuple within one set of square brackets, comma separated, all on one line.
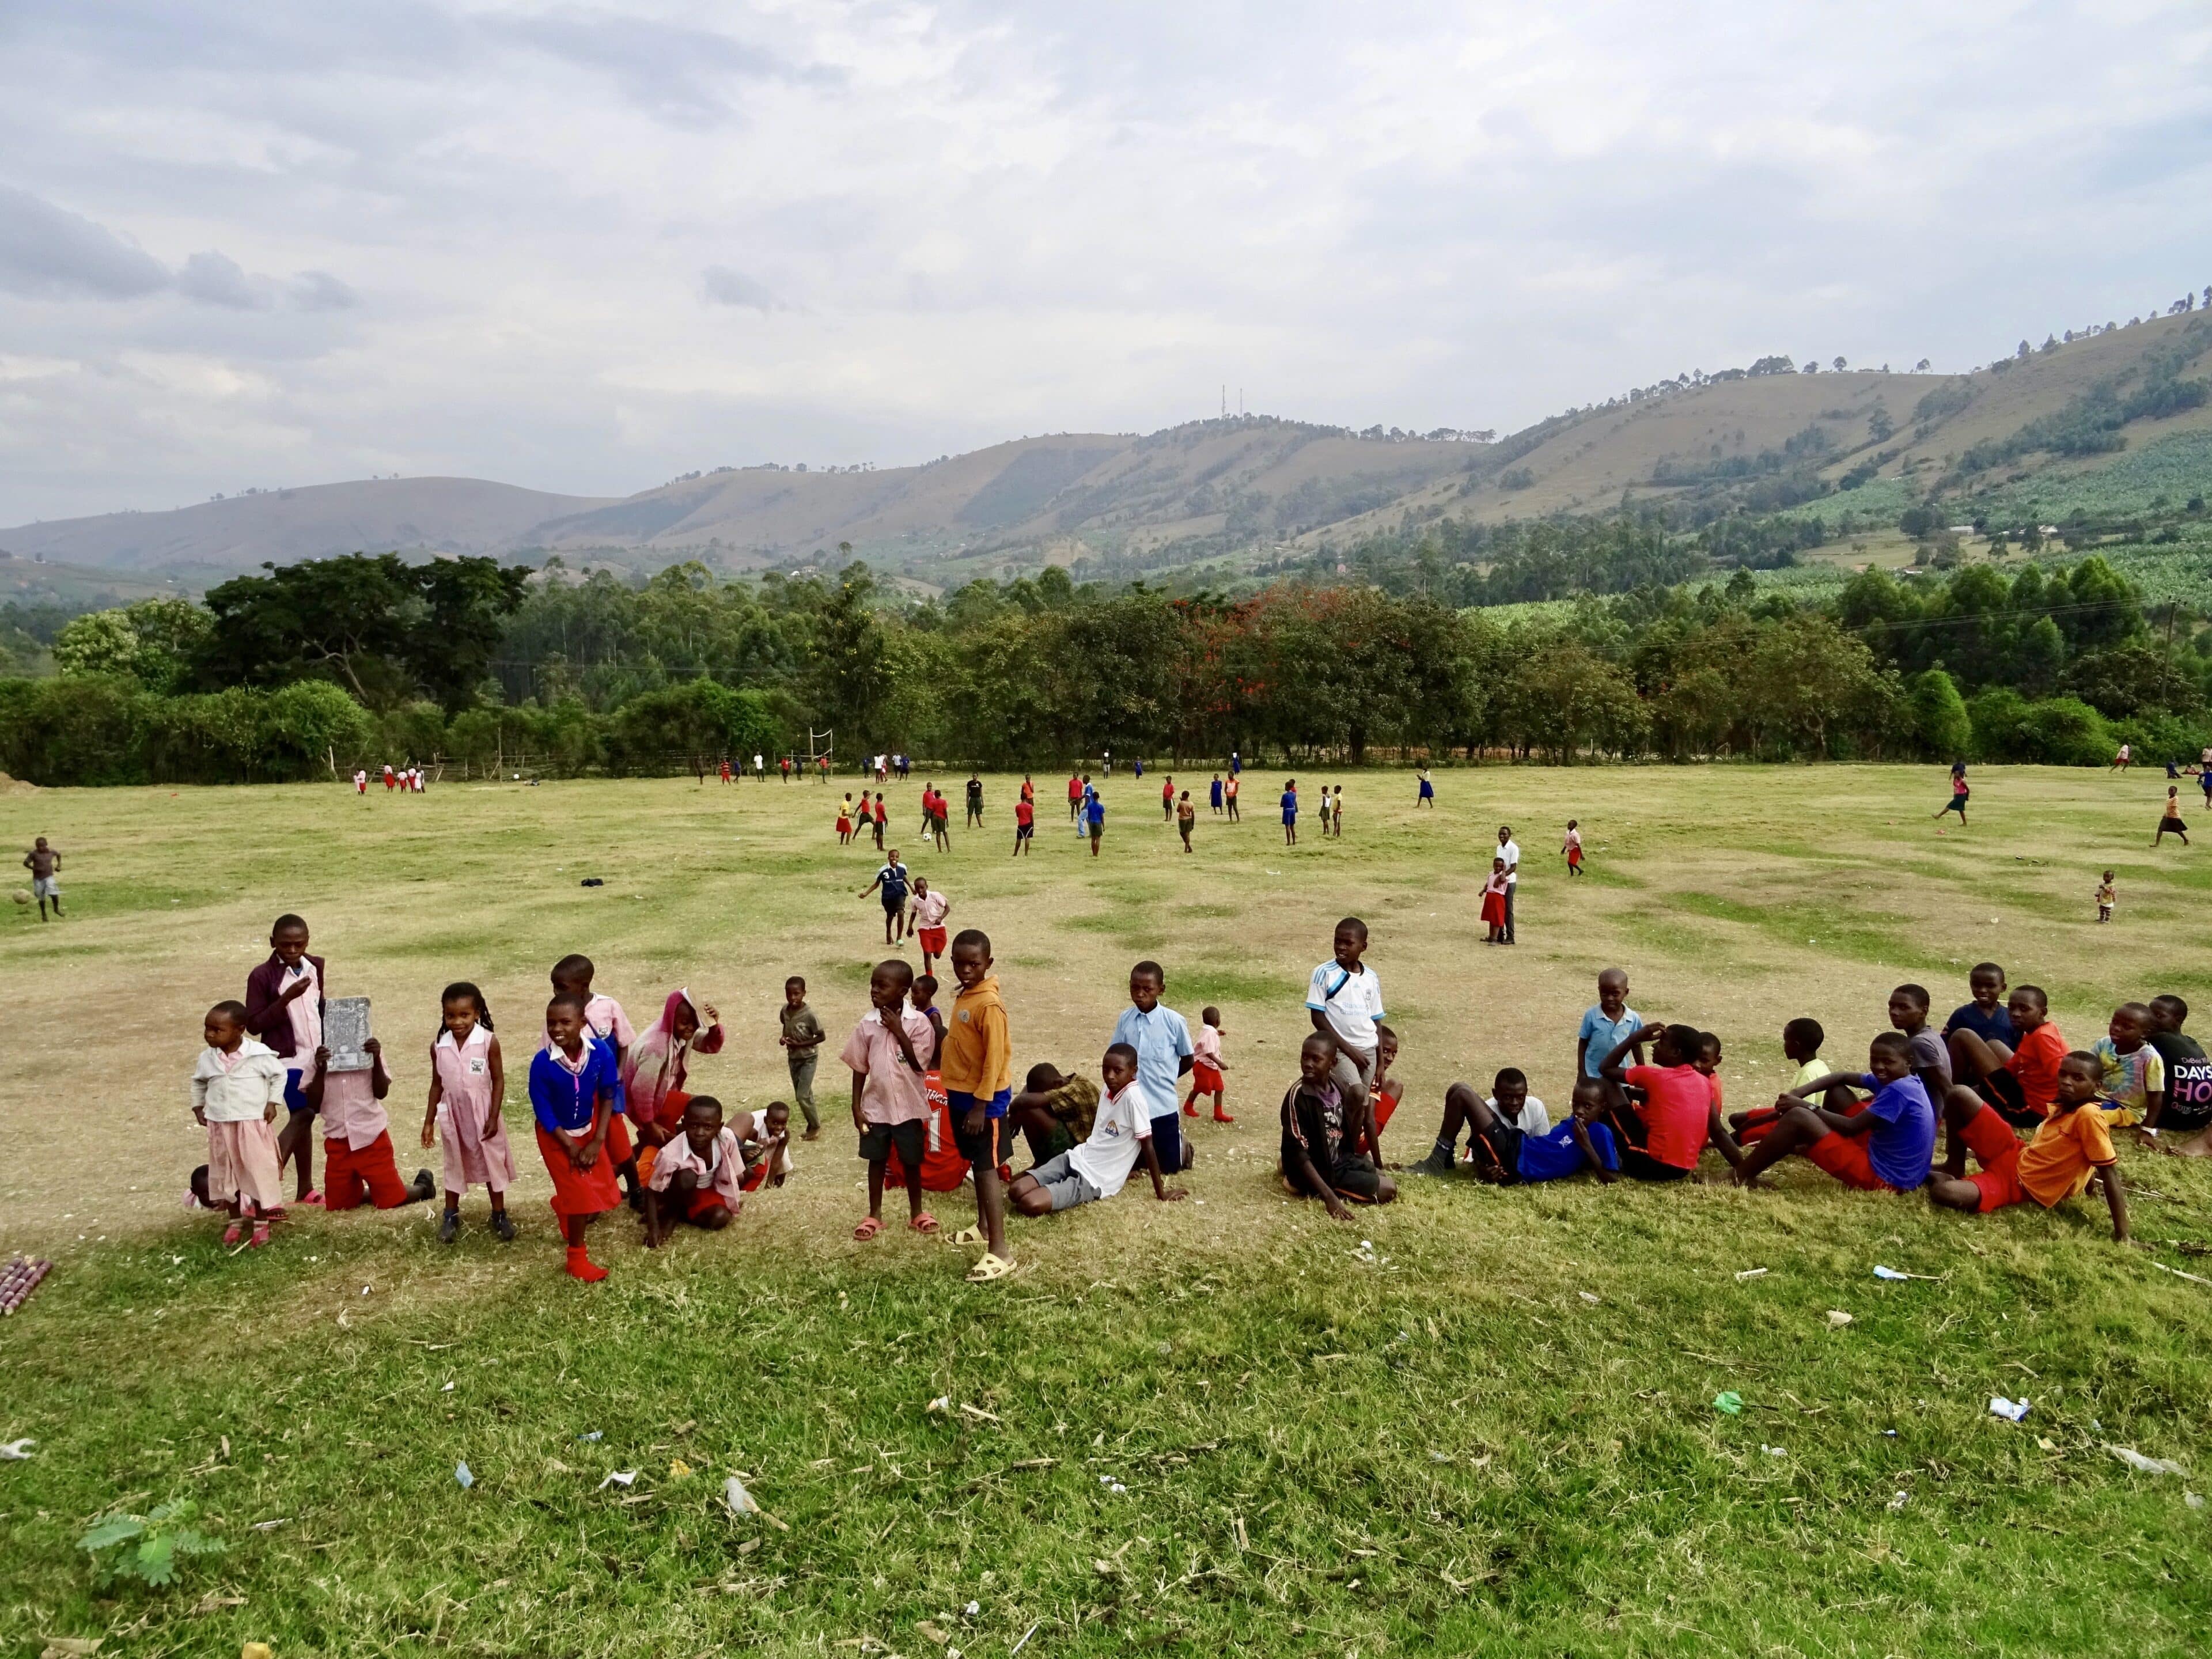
[(1493, 904)]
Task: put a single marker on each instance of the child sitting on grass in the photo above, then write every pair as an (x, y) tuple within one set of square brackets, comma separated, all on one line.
[(1802, 1039), (1317, 1161), (2071, 1147), (1120, 1132), (2024, 1077), (1885, 1146), (1055, 1111), (1582, 1142), (237, 1086), (573, 1094), (887, 1053), (1509, 1113), (698, 1177), (1663, 1137), (2134, 1072), (468, 1087), (358, 1161)]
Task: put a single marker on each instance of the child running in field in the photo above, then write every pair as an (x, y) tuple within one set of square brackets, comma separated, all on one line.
[(2171, 823), (699, 1175), (1120, 1132), (45, 865), (238, 1085), (574, 1091), (1573, 847), (468, 1087), (1428, 790), (2072, 1147), (1207, 1066), (358, 1160), (2108, 894), (931, 907)]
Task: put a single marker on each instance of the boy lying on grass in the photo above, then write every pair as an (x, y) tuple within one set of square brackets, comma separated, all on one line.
[(1508, 1144), (1319, 1132), (1120, 1132), (2072, 1147)]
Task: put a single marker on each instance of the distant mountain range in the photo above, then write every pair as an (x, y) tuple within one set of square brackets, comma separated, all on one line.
[(1234, 490)]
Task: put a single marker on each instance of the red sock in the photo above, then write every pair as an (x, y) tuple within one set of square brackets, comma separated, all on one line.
[(582, 1266), (1190, 1107), (1220, 1117)]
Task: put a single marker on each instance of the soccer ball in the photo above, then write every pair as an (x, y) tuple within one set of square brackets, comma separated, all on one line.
[(22, 896)]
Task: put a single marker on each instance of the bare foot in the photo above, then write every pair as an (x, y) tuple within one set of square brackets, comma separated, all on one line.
[(2195, 1147)]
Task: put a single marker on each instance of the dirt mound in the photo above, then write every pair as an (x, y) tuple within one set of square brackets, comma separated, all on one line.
[(16, 785)]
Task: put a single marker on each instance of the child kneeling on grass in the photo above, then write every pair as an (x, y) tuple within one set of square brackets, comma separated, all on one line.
[(698, 1177), (2071, 1148), (358, 1162), (1318, 1133), (1885, 1146), (1120, 1131)]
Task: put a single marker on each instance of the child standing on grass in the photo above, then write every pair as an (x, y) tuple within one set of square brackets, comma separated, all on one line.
[(468, 1087), (606, 1024), (977, 1065), (2171, 823), (1493, 904), (1427, 796), (1160, 1038), (931, 907), (2108, 894), (656, 1067), (1024, 825), (237, 1086), (1573, 847), (1336, 811), (801, 1042), (1207, 1066), (285, 1008), (575, 1088), (845, 823), (44, 863), (924, 998), (1094, 813), (1604, 1025), (1229, 793), (1343, 1001), (358, 1159), (1214, 795), (2072, 1147), (1290, 812), (1185, 816)]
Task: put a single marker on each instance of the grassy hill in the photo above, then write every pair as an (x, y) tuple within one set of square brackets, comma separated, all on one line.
[(2106, 425)]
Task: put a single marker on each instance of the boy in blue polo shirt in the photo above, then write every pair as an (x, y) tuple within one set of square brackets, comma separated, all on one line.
[(1886, 1147), (1605, 1025), (1161, 1038)]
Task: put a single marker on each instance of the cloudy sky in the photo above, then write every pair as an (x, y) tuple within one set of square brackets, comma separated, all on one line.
[(587, 248)]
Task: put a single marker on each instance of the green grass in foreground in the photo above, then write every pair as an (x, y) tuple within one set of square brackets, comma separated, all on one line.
[(1494, 1436)]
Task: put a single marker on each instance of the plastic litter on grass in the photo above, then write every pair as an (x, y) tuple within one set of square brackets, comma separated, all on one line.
[(2136, 1460), (2011, 1410)]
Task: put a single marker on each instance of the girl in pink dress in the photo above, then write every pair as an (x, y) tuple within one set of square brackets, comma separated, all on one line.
[(468, 1085)]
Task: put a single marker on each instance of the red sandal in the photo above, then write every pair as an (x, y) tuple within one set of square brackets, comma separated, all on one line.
[(867, 1230), (924, 1223)]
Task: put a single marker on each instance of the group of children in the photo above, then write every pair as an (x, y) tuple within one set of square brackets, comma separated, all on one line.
[(1998, 1069), (408, 778)]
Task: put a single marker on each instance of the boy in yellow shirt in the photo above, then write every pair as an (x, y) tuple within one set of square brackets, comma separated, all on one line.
[(976, 1065)]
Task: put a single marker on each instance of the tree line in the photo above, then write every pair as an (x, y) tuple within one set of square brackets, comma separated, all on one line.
[(319, 667)]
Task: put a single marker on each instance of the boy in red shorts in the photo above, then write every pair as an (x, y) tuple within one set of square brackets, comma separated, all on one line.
[(698, 1177), (931, 907), (357, 1157), (1207, 1066), (1884, 1147), (2029, 1066), (2071, 1148)]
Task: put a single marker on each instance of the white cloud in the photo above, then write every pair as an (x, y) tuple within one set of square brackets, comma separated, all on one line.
[(584, 247)]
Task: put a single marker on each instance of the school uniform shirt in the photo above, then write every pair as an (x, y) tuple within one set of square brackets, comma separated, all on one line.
[(1676, 1111), (563, 1091), (1902, 1143), (929, 909), (1162, 1039), (978, 1057), (2035, 1064), (1110, 1151), (1290, 806), (351, 1111), (1603, 1036), (892, 1091), (1929, 1053), (1205, 1045), (2129, 1080), (238, 1087), (1532, 1120), (721, 1171), (1352, 1002), (296, 1035), (2066, 1152)]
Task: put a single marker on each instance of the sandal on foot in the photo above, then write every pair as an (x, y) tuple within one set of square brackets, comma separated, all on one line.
[(233, 1232), (867, 1230), (314, 1200), (260, 1236), (924, 1223), (965, 1236), (990, 1267)]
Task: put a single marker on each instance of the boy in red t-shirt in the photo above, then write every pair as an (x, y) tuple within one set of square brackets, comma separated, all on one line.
[(2032, 1062), (2072, 1147), (1663, 1137)]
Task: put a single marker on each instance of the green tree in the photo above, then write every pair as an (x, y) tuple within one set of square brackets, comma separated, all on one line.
[(1938, 716)]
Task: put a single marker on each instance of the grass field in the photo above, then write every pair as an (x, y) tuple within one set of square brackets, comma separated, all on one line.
[(1489, 1429)]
